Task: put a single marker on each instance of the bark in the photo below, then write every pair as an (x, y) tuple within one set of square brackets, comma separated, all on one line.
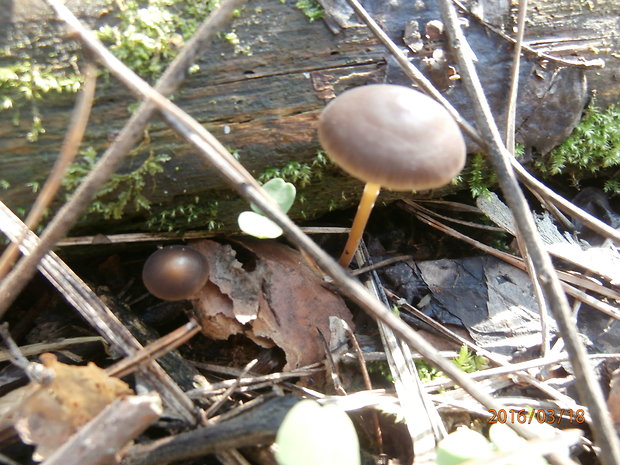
[(264, 102)]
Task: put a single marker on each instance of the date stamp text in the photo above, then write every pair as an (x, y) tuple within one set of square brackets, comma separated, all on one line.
[(550, 416)]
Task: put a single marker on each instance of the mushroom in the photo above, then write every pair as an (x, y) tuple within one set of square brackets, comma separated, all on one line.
[(391, 136), (175, 272)]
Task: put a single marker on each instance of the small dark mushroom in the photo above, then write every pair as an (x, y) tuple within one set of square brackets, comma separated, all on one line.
[(175, 272), (391, 136)]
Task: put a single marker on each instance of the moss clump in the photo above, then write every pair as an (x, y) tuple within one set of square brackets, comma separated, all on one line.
[(183, 217), (311, 8), (592, 150), (298, 173), (478, 175), (27, 82), (122, 191), (151, 33)]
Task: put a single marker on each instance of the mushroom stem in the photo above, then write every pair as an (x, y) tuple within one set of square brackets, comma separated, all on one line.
[(371, 191)]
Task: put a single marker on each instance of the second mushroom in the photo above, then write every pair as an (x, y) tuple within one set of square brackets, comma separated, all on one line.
[(391, 136)]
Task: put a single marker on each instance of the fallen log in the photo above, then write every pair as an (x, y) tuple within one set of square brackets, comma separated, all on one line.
[(259, 89)]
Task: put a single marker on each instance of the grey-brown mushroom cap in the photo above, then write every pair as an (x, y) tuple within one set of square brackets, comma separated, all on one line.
[(175, 272), (393, 136)]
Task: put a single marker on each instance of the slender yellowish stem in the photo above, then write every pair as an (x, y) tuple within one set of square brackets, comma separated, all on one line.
[(371, 191)]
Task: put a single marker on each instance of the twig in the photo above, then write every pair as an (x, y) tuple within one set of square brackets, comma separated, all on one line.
[(40, 347), (69, 149), (218, 403), (66, 217), (217, 155), (587, 384), (98, 442), (154, 350), (255, 427)]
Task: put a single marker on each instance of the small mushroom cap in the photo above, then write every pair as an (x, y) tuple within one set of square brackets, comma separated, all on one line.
[(393, 136), (175, 272)]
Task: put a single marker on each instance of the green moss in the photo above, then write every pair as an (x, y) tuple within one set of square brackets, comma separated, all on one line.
[(26, 83), (122, 191), (151, 33), (298, 173), (311, 8), (478, 175), (186, 216), (592, 150)]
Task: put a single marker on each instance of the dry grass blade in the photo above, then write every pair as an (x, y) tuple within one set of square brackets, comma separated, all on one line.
[(421, 417), (578, 63), (39, 348), (95, 312), (154, 350)]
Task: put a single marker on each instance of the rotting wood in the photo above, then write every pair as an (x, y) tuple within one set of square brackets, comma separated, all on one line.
[(264, 105)]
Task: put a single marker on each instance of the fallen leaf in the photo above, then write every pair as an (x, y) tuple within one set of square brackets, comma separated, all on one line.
[(292, 303), (47, 415)]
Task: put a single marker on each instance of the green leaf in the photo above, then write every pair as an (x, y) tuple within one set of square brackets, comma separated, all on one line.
[(462, 445), (315, 435), (282, 192), (258, 225)]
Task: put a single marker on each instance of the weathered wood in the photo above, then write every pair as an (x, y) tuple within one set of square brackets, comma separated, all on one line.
[(262, 103)]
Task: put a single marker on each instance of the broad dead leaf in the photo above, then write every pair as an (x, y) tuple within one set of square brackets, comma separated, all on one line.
[(292, 304), (46, 416)]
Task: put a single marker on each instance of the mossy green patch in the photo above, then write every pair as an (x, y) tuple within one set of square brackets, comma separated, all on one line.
[(122, 191), (150, 33), (592, 150), (311, 8), (299, 173), (186, 216), (27, 82)]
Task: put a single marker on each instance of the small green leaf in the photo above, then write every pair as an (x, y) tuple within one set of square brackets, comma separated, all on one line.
[(462, 445), (258, 225), (315, 435), (282, 192)]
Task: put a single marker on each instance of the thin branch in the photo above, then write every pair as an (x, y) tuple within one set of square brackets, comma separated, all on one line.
[(587, 385)]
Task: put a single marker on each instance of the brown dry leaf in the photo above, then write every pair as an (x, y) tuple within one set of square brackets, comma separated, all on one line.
[(292, 304), (240, 286), (48, 415)]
